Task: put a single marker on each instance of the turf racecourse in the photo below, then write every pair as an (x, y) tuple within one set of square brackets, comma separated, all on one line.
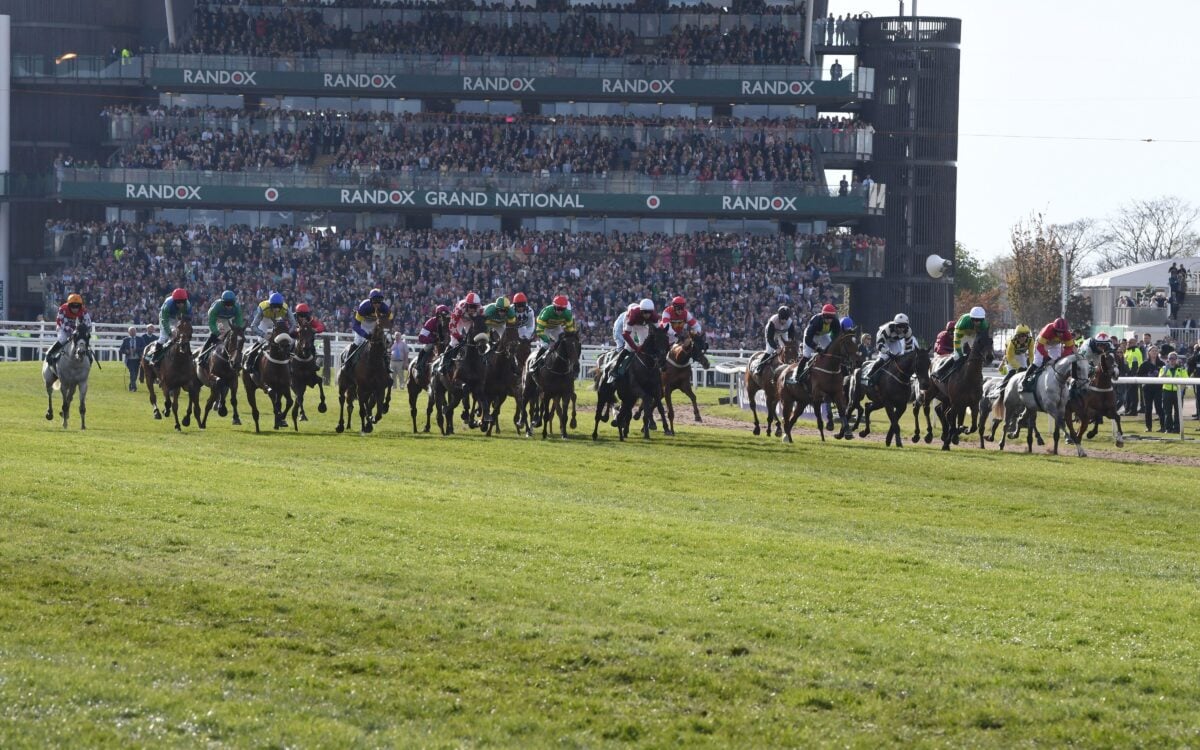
[(317, 590)]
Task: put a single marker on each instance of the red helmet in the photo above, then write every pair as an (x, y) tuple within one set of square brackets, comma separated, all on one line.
[(179, 295), (1102, 336), (828, 310), (303, 309), (1061, 325), (471, 299), (561, 301), (519, 297), (679, 301), (441, 310)]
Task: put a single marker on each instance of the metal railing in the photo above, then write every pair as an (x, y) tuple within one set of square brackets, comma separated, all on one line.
[(80, 67), (454, 181), (463, 65)]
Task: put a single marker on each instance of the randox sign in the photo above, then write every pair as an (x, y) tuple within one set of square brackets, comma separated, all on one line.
[(275, 198)]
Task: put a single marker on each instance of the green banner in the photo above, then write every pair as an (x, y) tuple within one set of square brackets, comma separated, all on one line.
[(465, 201), (728, 90)]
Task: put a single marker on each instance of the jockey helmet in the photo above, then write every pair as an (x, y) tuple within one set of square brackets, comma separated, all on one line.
[(1061, 325), (1022, 330), (303, 309), (275, 300), (228, 296), (375, 295), (471, 299), (561, 301), (441, 310), (519, 298), (679, 302), (784, 312), (179, 295), (502, 303), (950, 326), (829, 310), (847, 324), (74, 299), (1102, 336), (977, 313), (901, 319), (646, 305)]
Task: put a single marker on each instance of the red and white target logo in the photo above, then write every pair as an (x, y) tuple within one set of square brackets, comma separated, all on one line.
[(182, 193), (271, 194), (653, 202), (777, 203), (237, 78)]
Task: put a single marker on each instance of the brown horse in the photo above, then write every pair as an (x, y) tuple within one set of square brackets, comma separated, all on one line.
[(420, 377), (367, 380), (641, 382), (462, 383), (962, 390), (890, 391), (1099, 401), (219, 373), (173, 373), (499, 379), (766, 383), (551, 388), (271, 372), (305, 369), (677, 374), (824, 382)]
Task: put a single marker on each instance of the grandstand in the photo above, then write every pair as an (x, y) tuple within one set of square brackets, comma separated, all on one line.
[(744, 155)]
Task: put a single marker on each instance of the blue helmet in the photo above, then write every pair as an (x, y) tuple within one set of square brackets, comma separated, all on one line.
[(375, 294), (228, 296), (275, 299), (847, 324)]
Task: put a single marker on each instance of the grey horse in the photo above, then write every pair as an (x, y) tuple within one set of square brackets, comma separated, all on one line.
[(1002, 399), (70, 373), (1052, 389)]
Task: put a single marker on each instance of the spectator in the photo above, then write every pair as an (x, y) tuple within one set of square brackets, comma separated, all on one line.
[(835, 70), (131, 350), (1152, 394), (1170, 393), (399, 362), (1193, 370)]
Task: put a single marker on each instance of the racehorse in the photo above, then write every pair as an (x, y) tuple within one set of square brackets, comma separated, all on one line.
[(1099, 400), (464, 382), (419, 379), (305, 369), (173, 373), (366, 380), (219, 372), (551, 388), (962, 390), (1053, 390), (891, 391), (766, 383), (677, 374), (1002, 399), (824, 382), (272, 373), (71, 372), (499, 379), (641, 381)]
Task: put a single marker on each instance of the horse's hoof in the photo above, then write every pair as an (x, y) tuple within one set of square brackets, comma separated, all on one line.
[(223, 412), (757, 430), (303, 417), (1041, 443), (368, 428), (321, 407), (945, 446), (177, 428), (787, 438), (838, 436), (49, 416), (187, 421), (928, 439), (863, 433), (236, 421), (340, 429), (157, 415), (573, 424), (916, 439), (595, 438), (1120, 443)]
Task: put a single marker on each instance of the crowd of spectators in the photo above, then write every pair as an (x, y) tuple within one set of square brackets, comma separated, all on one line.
[(488, 144), (234, 31), (734, 282), (759, 7)]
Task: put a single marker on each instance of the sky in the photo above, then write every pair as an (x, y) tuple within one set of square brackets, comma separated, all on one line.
[(1045, 84)]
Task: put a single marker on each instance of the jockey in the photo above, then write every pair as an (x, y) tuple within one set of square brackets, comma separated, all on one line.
[(1019, 352), (370, 312), (435, 331), (224, 313), (269, 312), (893, 339), (634, 328), (71, 315), (498, 315), (820, 332), (526, 320), (779, 330), (175, 308), (462, 320), (1096, 346), (677, 318), (966, 330), (554, 320), (303, 312), (1054, 341), (944, 345)]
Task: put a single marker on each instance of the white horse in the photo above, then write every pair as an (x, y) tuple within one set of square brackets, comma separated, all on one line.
[(1052, 390), (1008, 409), (69, 373)]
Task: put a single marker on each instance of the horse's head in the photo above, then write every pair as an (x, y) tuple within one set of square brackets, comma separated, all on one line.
[(567, 348), (921, 363), (82, 341), (281, 344), (657, 345), (791, 352), (983, 349), (1106, 373), (509, 339), (305, 338), (183, 332), (845, 349)]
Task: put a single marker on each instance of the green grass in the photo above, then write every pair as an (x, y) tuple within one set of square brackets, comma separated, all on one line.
[(321, 590)]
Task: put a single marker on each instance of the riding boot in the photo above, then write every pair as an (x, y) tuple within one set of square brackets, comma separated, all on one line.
[(350, 352)]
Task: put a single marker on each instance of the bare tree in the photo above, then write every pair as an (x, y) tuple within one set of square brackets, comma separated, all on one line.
[(1149, 230), (1034, 274), (1080, 241)]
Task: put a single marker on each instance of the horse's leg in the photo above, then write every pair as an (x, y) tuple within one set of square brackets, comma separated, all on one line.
[(946, 417), (321, 392), (750, 394), (1077, 438), (172, 399), (668, 425), (574, 399), (595, 423), (68, 393), (864, 415), (668, 419), (251, 399), (153, 396), (49, 402)]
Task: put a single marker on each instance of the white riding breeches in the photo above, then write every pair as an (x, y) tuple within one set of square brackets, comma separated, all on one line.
[(1054, 351), (823, 341)]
